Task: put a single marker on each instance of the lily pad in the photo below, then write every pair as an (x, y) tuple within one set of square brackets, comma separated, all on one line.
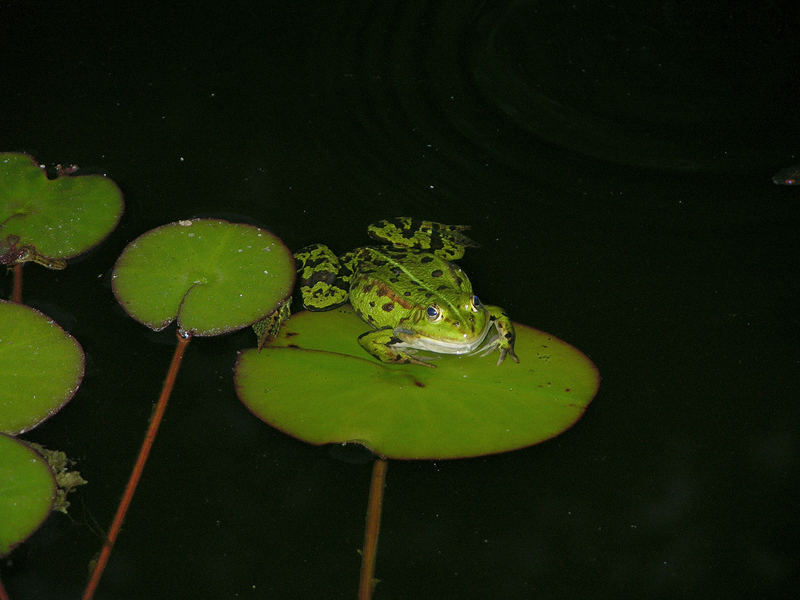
[(317, 384), (27, 490), (210, 275), (56, 218), (41, 367)]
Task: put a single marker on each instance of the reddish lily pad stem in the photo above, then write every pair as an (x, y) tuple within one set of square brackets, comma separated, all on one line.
[(366, 584), (16, 291), (136, 474)]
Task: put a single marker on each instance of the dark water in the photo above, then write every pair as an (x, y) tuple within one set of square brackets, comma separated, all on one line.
[(615, 162)]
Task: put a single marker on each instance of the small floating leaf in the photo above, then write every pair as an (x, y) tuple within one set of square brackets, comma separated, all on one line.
[(56, 218), (41, 367), (27, 490), (211, 275), (317, 384)]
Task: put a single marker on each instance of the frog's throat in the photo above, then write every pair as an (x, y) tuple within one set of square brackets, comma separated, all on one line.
[(467, 346)]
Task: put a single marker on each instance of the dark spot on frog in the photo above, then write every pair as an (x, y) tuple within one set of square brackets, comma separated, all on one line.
[(367, 287), (313, 262), (323, 276), (371, 304), (293, 346), (428, 294), (436, 273), (388, 307), (442, 287), (291, 333), (426, 259), (418, 383), (406, 293)]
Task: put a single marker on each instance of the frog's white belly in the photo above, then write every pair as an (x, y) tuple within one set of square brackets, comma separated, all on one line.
[(464, 346)]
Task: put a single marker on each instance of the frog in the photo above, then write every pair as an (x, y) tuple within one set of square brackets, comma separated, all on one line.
[(409, 291)]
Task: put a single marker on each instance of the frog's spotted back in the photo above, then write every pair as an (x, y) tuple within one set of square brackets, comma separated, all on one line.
[(445, 241)]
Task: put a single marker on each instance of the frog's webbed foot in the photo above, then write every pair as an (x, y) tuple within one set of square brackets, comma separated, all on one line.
[(510, 352), (503, 339), (384, 345), (320, 278)]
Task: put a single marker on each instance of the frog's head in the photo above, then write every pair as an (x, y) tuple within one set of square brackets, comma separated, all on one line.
[(448, 326)]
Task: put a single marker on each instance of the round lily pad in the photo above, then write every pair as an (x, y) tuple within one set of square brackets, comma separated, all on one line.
[(27, 491), (317, 384), (210, 275), (59, 218), (41, 367)]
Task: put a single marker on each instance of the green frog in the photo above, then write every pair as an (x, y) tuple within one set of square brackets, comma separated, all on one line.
[(409, 291)]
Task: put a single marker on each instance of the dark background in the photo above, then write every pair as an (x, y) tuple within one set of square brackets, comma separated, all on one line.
[(614, 161)]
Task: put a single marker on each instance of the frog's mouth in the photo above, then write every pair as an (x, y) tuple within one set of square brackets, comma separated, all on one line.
[(463, 346)]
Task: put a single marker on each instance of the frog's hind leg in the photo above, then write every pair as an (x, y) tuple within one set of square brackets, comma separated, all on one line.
[(445, 241), (320, 275)]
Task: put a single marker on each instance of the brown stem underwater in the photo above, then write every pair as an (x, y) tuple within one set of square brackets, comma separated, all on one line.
[(367, 581), (16, 290), (136, 474)]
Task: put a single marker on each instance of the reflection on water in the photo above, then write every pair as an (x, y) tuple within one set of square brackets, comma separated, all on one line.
[(439, 96)]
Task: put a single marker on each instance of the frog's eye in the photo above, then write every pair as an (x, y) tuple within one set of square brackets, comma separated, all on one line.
[(476, 302), (434, 313)]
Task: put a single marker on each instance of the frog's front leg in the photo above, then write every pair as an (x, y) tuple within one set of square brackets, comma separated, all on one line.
[(504, 339), (267, 329), (383, 345)]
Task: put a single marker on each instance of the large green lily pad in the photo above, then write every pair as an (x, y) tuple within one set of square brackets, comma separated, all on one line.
[(317, 384), (41, 367), (27, 491), (59, 218), (210, 275)]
